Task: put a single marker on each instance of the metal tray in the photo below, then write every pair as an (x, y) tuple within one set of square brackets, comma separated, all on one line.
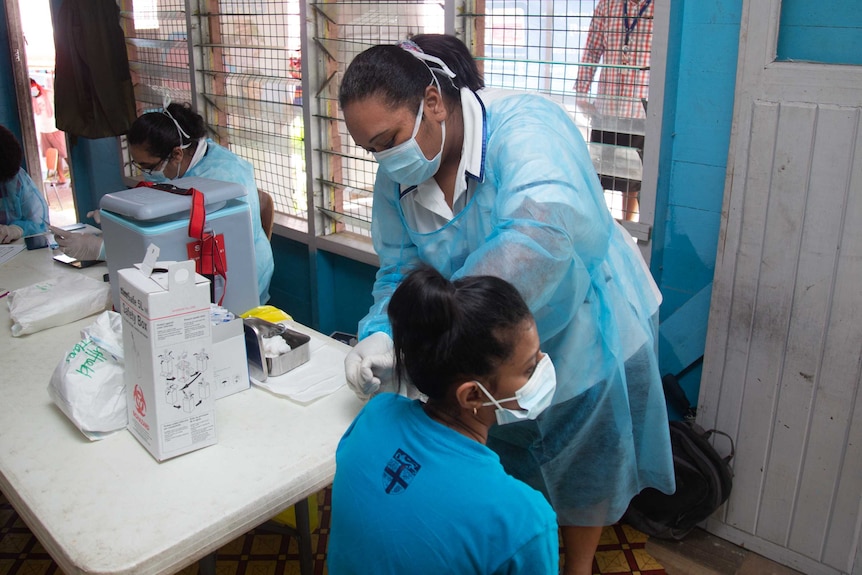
[(259, 366)]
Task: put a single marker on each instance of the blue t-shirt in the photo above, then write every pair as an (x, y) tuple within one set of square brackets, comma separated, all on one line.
[(413, 496)]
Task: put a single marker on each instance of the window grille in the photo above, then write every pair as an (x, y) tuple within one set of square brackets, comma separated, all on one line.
[(241, 64), (535, 45), (344, 29), (541, 45), (243, 76)]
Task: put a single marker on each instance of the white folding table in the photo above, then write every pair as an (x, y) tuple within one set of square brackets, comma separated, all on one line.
[(108, 507)]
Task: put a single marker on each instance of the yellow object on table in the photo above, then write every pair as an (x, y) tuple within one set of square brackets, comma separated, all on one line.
[(268, 313)]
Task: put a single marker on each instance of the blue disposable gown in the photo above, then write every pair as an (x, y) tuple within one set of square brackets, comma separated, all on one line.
[(221, 164), (24, 205), (537, 217)]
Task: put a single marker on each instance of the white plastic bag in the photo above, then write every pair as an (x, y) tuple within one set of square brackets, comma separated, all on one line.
[(87, 384), (57, 301)]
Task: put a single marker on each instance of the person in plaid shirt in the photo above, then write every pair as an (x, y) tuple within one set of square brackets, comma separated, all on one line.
[(620, 37)]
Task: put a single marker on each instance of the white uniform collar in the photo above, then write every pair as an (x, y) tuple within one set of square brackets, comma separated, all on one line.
[(475, 129), (424, 206)]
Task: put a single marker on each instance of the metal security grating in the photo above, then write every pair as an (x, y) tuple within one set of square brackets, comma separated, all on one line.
[(241, 64), (158, 49), (251, 91), (243, 75), (545, 46), (535, 45), (342, 30)]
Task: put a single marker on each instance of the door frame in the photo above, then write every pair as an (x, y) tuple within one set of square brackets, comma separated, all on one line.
[(21, 77)]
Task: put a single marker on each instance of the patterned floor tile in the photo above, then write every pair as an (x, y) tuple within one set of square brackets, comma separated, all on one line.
[(258, 552)]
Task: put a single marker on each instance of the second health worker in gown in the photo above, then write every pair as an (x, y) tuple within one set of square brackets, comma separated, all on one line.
[(476, 181)]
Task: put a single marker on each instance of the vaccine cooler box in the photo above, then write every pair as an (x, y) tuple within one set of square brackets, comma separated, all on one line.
[(135, 218)]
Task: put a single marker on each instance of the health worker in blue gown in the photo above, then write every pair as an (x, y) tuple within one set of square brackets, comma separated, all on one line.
[(23, 210), (172, 144), (475, 181)]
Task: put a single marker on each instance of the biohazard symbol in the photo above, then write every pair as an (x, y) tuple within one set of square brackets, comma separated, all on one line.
[(140, 402)]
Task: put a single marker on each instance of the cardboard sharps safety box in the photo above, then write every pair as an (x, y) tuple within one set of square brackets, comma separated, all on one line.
[(167, 341)]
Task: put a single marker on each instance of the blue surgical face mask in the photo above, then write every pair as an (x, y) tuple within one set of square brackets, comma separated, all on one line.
[(406, 163), (533, 398)]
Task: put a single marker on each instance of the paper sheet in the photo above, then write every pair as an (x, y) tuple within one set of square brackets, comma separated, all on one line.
[(322, 375), (9, 251)]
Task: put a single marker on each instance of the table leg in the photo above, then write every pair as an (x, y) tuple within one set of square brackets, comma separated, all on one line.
[(207, 564), (303, 526)]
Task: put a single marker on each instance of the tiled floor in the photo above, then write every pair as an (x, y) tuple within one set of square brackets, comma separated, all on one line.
[(621, 550), (703, 554)]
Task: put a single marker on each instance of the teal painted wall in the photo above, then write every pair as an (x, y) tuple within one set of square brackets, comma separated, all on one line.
[(811, 32), (290, 288), (343, 293), (701, 76)]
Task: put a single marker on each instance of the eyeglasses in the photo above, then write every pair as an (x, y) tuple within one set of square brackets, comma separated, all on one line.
[(149, 169)]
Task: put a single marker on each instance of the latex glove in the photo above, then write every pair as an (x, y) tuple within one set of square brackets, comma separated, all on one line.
[(369, 365), (10, 233), (79, 246), (96, 215)]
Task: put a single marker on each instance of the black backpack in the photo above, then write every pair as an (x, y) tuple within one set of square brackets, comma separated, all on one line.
[(703, 477)]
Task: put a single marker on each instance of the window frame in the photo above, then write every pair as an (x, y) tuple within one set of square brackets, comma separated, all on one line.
[(320, 230)]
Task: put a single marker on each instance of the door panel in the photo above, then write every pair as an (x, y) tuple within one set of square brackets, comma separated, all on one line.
[(784, 344)]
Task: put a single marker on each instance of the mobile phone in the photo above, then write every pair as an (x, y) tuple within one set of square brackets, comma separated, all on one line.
[(80, 264), (36, 242), (348, 338)]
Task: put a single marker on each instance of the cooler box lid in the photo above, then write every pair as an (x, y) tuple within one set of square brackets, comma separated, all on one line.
[(151, 204)]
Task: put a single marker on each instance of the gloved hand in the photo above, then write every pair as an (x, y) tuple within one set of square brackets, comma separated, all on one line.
[(370, 364), (80, 246), (10, 233), (96, 215)]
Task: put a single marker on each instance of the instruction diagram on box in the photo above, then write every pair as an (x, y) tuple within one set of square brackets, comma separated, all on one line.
[(185, 384)]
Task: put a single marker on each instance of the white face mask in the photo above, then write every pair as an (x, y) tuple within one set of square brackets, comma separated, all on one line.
[(34, 92), (534, 397)]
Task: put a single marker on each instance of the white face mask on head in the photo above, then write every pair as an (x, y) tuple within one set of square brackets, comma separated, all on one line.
[(534, 397)]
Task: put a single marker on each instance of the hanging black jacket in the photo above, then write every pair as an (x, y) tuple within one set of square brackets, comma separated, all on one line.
[(93, 94)]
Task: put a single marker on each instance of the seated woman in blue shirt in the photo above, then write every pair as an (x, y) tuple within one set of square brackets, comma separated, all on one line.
[(416, 490), (24, 211)]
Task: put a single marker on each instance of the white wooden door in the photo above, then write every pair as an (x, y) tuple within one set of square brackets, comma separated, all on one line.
[(784, 344)]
